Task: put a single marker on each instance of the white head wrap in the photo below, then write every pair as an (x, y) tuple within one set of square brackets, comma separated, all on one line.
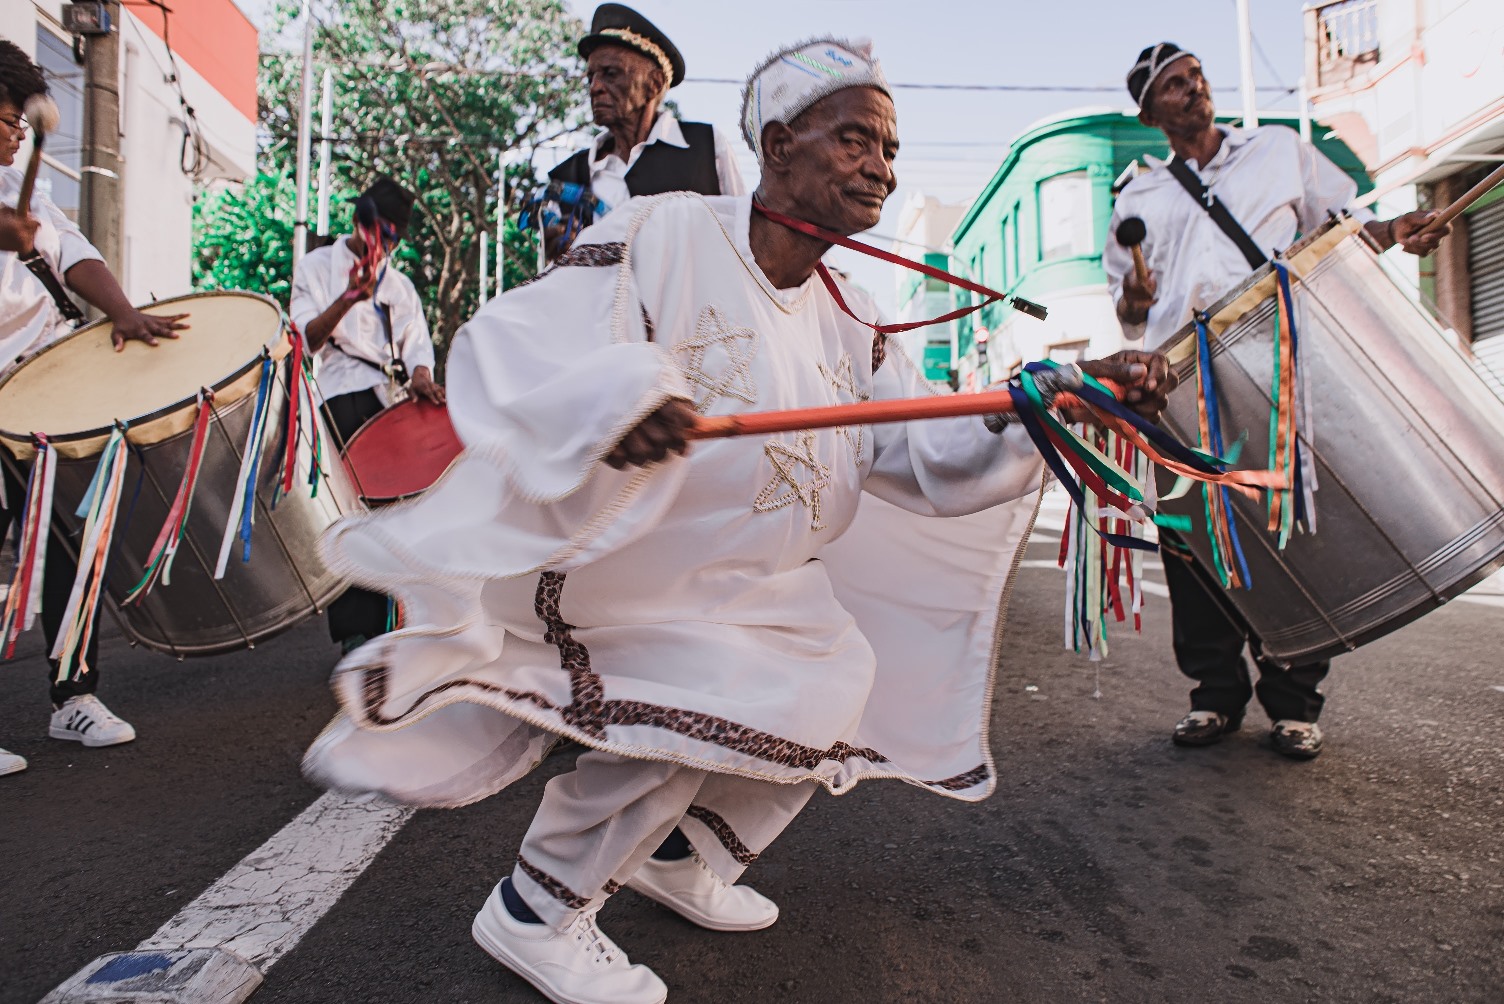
[(792, 79)]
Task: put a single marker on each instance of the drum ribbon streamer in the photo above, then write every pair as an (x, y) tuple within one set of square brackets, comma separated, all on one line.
[(99, 509), (1294, 503), (1228, 559), (25, 596), (164, 551), (299, 387), (243, 502)]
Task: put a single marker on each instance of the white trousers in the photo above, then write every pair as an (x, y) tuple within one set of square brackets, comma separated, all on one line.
[(601, 821)]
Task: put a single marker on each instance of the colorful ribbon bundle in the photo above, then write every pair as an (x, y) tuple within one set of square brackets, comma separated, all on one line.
[(1287, 417), (164, 551), (1095, 568), (101, 503), (1222, 530), (25, 597), (243, 501)]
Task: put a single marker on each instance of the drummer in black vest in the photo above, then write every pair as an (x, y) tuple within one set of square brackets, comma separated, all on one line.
[(644, 150), (1273, 187), (363, 322)]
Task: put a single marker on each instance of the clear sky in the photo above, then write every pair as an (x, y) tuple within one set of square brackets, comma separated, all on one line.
[(954, 140)]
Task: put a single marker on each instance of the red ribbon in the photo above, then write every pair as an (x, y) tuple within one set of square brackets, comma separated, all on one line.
[(294, 392), (831, 237)]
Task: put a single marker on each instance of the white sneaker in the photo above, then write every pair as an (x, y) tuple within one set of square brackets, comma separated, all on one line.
[(577, 966), (11, 763), (689, 888), (86, 720)]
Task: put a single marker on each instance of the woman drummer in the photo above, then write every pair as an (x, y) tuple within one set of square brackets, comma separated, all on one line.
[(41, 253)]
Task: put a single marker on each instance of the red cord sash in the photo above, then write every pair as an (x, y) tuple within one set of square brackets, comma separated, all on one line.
[(831, 237)]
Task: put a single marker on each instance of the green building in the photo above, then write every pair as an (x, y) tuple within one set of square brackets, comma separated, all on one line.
[(1038, 230)]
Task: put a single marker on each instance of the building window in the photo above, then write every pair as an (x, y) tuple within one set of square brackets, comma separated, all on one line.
[(1005, 245), (1065, 216), (62, 160)]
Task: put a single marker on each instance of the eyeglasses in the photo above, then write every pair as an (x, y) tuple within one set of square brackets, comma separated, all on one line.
[(18, 122)]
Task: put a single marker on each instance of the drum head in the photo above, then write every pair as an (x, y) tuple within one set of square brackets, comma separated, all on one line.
[(79, 386), (402, 451)]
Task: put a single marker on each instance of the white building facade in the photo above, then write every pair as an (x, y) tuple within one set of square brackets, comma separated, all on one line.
[(166, 153), (1416, 89), (924, 228)]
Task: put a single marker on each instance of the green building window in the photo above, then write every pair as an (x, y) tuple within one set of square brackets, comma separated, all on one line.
[(1065, 216)]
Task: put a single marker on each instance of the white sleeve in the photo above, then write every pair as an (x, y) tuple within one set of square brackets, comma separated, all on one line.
[(946, 466), (73, 246), (1327, 188), (309, 297), (725, 167), (415, 341), (1116, 262)]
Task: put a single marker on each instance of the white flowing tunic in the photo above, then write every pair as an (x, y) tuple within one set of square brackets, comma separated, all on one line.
[(699, 610)]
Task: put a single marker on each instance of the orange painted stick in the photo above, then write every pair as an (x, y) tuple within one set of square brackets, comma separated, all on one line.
[(763, 423)]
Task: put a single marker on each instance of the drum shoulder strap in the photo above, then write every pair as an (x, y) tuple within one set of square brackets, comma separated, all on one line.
[(1218, 212), (39, 267)]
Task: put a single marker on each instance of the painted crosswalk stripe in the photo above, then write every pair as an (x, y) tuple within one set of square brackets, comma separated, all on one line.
[(259, 909)]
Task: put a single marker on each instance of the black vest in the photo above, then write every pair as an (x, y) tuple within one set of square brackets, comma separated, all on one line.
[(661, 167)]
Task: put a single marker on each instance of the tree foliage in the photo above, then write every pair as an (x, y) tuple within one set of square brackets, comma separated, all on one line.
[(430, 92)]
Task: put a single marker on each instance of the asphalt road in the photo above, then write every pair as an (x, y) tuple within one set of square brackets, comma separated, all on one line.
[(1110, 866)]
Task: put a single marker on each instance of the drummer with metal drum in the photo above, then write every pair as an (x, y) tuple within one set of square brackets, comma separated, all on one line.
[(362, 319), (1224, 201), (43, 254)]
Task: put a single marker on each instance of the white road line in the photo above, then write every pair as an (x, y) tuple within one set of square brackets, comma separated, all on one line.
[(263, 906)]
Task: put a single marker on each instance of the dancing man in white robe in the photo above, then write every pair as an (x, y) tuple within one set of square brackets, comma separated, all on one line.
[(680, 610)]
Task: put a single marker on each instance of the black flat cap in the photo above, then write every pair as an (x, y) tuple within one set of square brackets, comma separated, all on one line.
[(393, 202), (618, 24)]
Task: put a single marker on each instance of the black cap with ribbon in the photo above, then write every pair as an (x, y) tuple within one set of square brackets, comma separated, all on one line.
[(1151, 62), (618, 24)]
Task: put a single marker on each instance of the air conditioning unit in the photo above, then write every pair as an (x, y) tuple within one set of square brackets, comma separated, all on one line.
[(87, 17)]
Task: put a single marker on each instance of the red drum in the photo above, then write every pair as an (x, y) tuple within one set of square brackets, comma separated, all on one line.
[(401, 452)]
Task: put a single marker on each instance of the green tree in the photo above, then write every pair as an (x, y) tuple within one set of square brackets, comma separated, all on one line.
[(430, 92)]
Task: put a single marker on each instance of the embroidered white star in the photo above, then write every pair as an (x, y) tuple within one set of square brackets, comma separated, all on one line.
[(843, 381), (737, 345), (785, 489)]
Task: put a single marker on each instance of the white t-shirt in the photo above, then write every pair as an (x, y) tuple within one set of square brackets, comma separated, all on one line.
[(29, 319), (353, 358), (1275, 185)]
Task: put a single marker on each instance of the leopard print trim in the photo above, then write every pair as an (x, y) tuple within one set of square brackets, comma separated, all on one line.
[(717, 825), (879, 350), (961, 782), (588, 255), (611, 888), (592, 714), (558, 890)]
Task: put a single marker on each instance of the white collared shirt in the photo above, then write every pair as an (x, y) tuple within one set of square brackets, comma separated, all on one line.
[(352, 359), (1275, 185), (29, 319), (608, 172)]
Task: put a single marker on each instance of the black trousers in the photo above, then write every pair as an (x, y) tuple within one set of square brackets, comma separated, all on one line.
[(357, 611), (1209, 639), (57, 584)]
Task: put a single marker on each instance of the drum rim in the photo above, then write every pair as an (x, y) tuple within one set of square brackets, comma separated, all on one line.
[(163, 412)]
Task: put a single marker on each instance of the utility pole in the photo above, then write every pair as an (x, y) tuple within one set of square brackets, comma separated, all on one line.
[(326, 112), (501, 222), (305, 141), (101, 195), (1245, 59)]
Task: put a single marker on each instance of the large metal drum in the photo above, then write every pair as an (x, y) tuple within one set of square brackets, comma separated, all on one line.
[(76, 389), (1407, 439)]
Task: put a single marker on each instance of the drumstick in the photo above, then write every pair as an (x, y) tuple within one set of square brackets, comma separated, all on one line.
[(1472, 195), (43, 117), (762, 423), (1131, 234)]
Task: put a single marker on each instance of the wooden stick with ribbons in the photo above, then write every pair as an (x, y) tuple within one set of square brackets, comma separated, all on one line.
[(1472, 195), (767, 423)]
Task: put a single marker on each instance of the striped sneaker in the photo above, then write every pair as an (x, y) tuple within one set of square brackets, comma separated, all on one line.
[(85, 719), (11, 763)]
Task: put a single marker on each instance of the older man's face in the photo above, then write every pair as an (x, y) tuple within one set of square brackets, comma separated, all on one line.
[(1180, 100), (623, 84), (843, 154)]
